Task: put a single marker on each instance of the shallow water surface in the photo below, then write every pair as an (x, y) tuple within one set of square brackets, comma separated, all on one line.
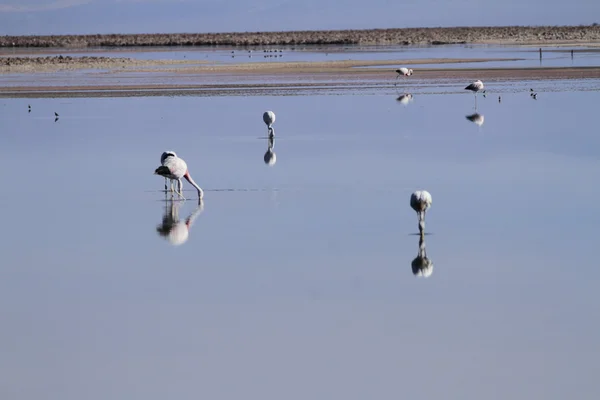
[(295, 280)]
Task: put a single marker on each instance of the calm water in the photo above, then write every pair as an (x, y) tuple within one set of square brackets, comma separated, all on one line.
[(295, 281), (527, 56)]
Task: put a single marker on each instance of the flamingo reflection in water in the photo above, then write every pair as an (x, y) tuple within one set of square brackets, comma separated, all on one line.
[(270, 157), (422, 266), (476, 118), (172, 228), (405, 99)]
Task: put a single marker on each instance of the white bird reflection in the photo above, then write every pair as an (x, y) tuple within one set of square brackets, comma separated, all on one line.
[(476, 118), (422, 265), (270, 157), (405, 99), (172, 229)]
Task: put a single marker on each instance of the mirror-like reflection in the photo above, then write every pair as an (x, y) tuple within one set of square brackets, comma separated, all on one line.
[(172, 229), (422, 265), (405, 99), (270, 157), (476, 118)]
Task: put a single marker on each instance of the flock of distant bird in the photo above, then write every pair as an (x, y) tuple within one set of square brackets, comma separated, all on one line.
[(475, 87)]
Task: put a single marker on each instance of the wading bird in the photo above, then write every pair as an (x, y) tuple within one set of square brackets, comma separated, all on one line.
[(163, 158), (269, 118), (403, 72), (420, 201), (475, 87), (175, 168)]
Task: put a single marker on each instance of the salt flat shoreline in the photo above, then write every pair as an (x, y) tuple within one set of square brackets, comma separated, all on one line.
[(289, 83), (544, 35)]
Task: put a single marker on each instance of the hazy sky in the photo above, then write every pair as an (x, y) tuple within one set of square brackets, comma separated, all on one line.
[(134, 16)]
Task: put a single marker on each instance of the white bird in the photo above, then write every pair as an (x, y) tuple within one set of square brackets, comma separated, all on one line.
[(422, 265), (420, 201), (475, 86), (175, 168), (269, 118), (175, 231), (476, 118), (403, 72), (163, 157)]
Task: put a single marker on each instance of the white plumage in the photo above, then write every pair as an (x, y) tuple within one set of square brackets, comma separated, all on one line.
[(269, 119), (404, 72), (420, 201), (475, 87), (175, 168), (163, 157)]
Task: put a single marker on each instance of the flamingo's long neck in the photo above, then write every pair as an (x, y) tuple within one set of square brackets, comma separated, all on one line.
[(194, 184)]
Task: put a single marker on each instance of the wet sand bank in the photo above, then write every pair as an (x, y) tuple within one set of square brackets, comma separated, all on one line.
[(289, 83)]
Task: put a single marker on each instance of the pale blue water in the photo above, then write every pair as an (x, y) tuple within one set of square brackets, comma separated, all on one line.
[(296, 281), (527, 56)]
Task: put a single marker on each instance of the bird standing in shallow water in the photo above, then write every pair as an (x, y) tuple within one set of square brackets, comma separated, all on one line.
[(403, 72), (420, 201), (163, 158), (269, 119), (475, 87), (175, 168)]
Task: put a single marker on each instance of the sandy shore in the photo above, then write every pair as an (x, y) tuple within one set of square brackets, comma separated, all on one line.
[(296, 84), (67, 63), (407, 36)]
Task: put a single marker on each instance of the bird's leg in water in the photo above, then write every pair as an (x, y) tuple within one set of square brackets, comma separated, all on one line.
[(172, 188), (165, 185), (422, 222), (180, 187)]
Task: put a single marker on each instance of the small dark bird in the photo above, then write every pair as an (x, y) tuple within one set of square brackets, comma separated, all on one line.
[(499, 99), (531, 90), (55, 114), (28, 107), (534, 96)]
